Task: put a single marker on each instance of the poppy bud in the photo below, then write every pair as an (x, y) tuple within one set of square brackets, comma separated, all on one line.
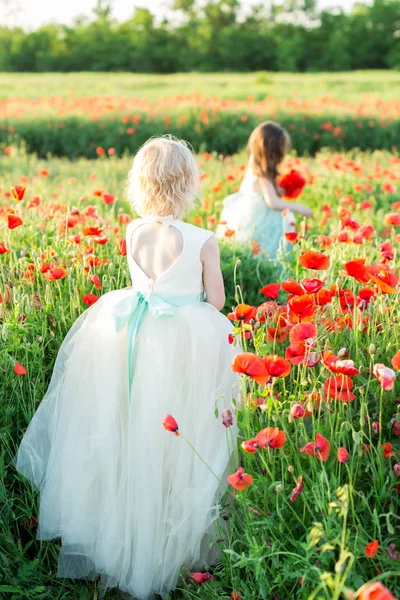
[(372, 349), (227, 418), (279, 488), (297, 411), (396, 469), (343, 353)]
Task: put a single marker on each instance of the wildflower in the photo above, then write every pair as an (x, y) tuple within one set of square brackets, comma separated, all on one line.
[(95, 279), (342, 455), (18, 191), (297, 490), (297, 411), (292, 183), (251, 365), (13, 221), (385, 376), (227, 417), (314, 260), (89, 299), (395, 360), (201, 578), (320, 448), (374, 591), (339, 388), (240, 480), (170, 424), (276, 365), (372, 548), (19, 369), (272, 437), (271, 290), (109, 198), (387, 450)]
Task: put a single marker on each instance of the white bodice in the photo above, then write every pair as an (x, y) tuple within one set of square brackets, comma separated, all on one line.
[(185, 275)]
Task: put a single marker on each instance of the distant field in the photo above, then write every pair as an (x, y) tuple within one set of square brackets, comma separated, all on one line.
[(345, 86)]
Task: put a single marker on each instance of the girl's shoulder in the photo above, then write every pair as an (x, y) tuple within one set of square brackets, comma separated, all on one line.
[(197, 232)]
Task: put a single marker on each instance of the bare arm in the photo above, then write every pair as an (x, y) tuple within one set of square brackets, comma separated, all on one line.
[(276, 203), (212, 276)]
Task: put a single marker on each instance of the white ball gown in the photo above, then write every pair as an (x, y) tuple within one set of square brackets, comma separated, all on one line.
[(130, 500)]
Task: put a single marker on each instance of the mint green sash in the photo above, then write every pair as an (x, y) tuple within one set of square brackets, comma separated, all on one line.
[(131, 312)]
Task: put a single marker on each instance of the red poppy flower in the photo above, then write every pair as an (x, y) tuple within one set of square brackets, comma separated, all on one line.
[(270, 436), (276, 334), (200, 578), (292, 183), (95, 279), (385, 376), (101, 240), (92, 230), (375, 591), (276, 365), (338, 365), (355, 268), (121, 244), (89, 299), (320, 448), (251, 365), (170, 424), (297, 411), (387, 450), (372, 548), (314, 260), (240, 480), (290, 236), (339, 388), (311, 286), (323, 297), (109, 198), (297, 490), (18, 191), (243, 312), (295, 354), (13, 221), (3, 248), (271, 290), (396, 361), (301, 308), (250, 446), (392, 219), (302, 332), (342, 455), (385, 282), (266, 309), (292, 287), (19, 369)]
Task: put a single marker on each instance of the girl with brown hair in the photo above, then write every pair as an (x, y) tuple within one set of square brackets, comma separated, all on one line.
[(255, 212)]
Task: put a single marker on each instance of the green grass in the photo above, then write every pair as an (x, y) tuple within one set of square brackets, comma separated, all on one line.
[(346, 86)]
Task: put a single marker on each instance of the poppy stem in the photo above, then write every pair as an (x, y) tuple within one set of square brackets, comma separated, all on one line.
[(201, 458)]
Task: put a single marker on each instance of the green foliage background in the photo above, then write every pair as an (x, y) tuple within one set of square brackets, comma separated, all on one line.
[(290, 36)]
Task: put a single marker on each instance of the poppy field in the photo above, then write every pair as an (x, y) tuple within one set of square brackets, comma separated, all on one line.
[(314, 486), (93, 114)]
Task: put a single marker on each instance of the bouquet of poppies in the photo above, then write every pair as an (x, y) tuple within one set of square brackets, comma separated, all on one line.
[(292, 183)]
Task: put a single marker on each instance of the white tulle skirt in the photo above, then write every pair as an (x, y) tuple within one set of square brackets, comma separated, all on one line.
[(130, 500)]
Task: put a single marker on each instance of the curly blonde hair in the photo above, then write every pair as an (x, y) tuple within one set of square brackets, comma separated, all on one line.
[(164, 178)]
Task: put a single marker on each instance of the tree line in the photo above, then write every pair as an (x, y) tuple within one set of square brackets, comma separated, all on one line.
[(292, 36)]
